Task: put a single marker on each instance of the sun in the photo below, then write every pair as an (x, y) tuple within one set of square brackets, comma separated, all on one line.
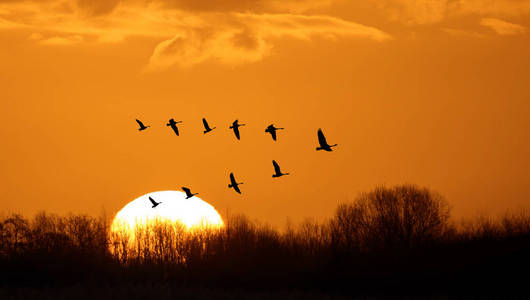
[(174, 208)]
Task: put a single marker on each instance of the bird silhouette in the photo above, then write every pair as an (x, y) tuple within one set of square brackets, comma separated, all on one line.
[(173, 125), (206, 126), (234, 184), (272, 130), (142, 126), (235, 126), (322, 141), (188, 192), (155, 204), (277, 170)]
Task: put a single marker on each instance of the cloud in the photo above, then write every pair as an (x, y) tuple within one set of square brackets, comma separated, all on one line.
[(58, 40), (415, 12), (247, 38), (502, 27), (196, 46), (96, 7), (244, 6), (506, 8)]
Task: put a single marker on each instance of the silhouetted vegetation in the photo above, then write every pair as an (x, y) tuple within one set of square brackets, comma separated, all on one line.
[(390, 241)]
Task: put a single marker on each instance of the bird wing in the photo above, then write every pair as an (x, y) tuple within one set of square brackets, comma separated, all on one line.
[(236, 132), (205, 123), (140, 123), (273, 133), (152, 201), (276, 167), (321, 138), (176, 129), (236, 188), (233, 180), (186, 190)]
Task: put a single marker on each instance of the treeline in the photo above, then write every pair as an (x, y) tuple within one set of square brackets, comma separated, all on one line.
[(390, 240)]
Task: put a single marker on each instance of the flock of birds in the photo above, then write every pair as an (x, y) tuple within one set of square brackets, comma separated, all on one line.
[(271, 129)]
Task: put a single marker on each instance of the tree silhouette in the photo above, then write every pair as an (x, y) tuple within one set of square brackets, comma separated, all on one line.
[(404, 216)]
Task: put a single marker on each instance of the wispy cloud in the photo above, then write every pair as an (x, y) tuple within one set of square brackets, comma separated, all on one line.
[(502, 27), (191, 32), (416, 12), (246, 37), (61, 41)]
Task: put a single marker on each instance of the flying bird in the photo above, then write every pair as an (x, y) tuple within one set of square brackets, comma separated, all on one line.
[(188, 192), (322, 141), (234, 184), (155, 204), (235, 126), (272, 130), (173, 125), (142, 126), (277, 170), (206, 126)]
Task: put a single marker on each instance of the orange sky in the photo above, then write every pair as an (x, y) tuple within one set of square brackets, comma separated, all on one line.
[(429, 92)]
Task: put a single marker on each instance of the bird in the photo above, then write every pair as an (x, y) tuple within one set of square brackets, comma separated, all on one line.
[(173, 125), (322, 141), (206, 126), (155, 204), (188, 192), (235, 126), (142, 126), (272, 130), (234, 184), (278, 172)]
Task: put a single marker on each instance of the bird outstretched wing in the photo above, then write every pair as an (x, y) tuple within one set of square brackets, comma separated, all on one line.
[(276, 167), (233, 179), (175, 129), (321, 138), (273, 133), (140, 123), (187, 191), (236, 132), (236, 188), (205, 123), (152, 201)]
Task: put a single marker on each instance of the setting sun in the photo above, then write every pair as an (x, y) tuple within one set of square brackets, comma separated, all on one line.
[(173, 208)]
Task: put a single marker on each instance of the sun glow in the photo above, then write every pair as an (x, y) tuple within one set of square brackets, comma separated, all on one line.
[(174, 209)]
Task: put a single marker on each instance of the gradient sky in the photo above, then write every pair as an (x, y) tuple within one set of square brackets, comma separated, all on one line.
[(435, 93)]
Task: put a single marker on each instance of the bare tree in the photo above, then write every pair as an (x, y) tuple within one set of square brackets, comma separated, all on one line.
[(401, 216)]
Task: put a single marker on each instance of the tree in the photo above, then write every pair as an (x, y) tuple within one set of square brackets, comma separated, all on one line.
[(404, 216)]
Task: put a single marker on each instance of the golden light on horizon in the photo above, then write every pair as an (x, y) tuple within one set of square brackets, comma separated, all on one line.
[(173, 209)]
